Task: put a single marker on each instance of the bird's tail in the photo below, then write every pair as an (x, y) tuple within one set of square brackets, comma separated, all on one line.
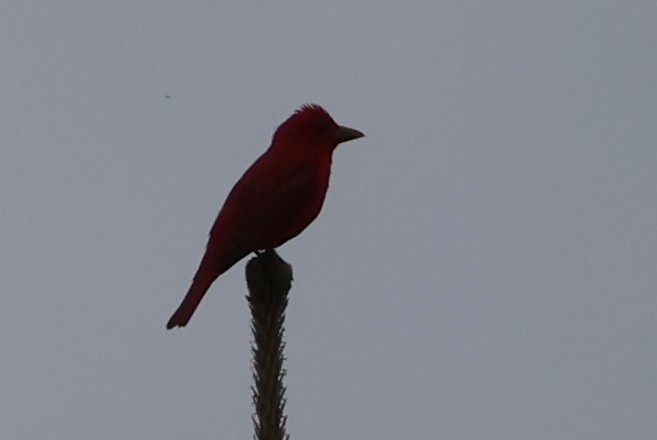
[(202, 281), (210, 268), (195, 294)]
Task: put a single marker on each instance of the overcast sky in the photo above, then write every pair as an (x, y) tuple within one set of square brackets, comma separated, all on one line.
[(485, 265)]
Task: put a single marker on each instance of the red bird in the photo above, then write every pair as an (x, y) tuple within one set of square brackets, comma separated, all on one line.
[(276, 198)]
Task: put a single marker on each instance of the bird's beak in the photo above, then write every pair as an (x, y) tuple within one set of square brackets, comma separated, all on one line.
[(344, 134)]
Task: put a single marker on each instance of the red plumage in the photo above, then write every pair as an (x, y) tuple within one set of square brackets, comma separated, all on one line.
[(276, 198)]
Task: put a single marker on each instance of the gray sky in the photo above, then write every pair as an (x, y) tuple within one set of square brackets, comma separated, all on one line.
[(484, 266)]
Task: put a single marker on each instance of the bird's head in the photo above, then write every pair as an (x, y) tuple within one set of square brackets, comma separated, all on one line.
[(312, 127)]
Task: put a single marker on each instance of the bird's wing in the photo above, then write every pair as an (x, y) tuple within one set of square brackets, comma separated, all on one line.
[(274, 202)]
